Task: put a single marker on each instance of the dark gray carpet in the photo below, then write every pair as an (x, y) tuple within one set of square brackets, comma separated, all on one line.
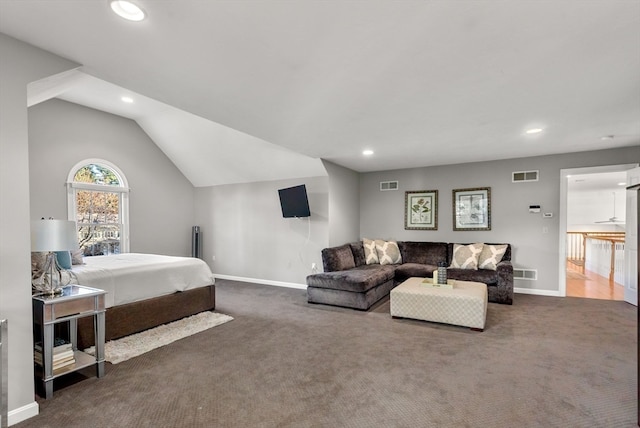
[(543, 362)]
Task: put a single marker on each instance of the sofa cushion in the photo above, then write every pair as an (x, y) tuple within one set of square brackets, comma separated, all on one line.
[(337, 258), (481, 275), (490, 256), (466, 256), (358, 280), (358, 253), (388, 252), (370, 252), (507, 253), (408, 270), (426, 253)]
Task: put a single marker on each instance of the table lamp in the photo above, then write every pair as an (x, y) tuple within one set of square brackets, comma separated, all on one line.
[(51, 236)]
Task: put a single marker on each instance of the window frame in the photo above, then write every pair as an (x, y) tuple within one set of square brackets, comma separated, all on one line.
[(123, 190)]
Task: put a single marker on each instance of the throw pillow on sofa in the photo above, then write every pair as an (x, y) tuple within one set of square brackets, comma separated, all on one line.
[(490, 256), (338, 258), (466, 256), (388, 252), (370, 252)]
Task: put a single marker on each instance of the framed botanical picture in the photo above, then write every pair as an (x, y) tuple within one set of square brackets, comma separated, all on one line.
[(472, 209), (421, 210)]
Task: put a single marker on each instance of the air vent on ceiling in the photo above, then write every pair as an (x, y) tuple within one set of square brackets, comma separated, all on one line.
[(522, 176), (388, 185), (530, 274)]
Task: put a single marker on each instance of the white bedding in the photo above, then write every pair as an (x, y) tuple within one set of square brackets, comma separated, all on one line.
[(132, 277)]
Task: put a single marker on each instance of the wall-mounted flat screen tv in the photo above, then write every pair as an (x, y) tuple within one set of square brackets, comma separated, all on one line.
[(294, 202)]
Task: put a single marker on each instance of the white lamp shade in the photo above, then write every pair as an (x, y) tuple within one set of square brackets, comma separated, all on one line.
[(53, 235)]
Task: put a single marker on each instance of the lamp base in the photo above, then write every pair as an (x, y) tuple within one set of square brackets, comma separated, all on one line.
[(51, 281)]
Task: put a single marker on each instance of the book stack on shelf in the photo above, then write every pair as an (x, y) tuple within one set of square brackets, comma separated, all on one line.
[(62, 354)]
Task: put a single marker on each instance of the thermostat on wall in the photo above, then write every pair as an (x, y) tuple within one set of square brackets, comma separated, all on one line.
[(534, 208)]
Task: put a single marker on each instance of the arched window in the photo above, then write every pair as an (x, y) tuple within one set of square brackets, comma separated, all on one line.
[(98, 201)]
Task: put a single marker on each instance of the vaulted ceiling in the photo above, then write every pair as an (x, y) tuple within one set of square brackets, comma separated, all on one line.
[(251, 90)]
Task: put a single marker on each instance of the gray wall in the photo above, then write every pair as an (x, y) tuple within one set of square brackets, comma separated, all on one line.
[(19, 64), (242, 226), (161, 201), (344, 204), (382, 213)]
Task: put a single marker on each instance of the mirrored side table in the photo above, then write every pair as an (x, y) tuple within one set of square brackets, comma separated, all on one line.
[(76, 301)]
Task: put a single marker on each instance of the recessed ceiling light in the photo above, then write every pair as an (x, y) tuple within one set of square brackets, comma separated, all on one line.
[(127, 100), (622, 184), (127, 10), (367, 152), (607, 137), (533, 131)]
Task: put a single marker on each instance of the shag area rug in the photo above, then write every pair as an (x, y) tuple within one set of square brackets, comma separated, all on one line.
[(119, 350)]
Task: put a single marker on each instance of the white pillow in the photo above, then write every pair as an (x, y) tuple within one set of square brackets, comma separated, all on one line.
[(370, 253), (491, 256), (466, 256), (77, 257), (388, 252)]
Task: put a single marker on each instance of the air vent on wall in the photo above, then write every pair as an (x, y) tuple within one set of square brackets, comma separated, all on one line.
[(388, 185), (522, 176), (530, 274)]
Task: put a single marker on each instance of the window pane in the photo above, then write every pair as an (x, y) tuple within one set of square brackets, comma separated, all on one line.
[(98, 219), (83, 204), (96, 174), (97, 207), (112, 207), (98, 240)]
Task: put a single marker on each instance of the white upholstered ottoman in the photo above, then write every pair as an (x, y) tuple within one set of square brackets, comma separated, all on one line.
[(464, 305)]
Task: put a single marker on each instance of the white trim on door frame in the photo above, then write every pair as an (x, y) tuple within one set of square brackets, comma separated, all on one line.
[(562, 238)]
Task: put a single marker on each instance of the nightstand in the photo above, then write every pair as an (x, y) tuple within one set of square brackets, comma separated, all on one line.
[(76, 301)]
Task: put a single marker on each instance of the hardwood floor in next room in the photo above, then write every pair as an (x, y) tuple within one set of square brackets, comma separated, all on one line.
[(591, 285)]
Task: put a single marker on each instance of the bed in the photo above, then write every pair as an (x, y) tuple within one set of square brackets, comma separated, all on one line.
[(144, 291)]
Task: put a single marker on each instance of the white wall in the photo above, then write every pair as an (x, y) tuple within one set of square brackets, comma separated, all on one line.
[(19, 64), (161, 202), (382, 213), (242, 226), (585, 208)]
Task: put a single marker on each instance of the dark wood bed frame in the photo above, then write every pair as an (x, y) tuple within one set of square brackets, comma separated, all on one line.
[(135, 317)]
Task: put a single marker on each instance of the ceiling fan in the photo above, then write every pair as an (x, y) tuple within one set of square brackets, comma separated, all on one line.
[(613, 219)]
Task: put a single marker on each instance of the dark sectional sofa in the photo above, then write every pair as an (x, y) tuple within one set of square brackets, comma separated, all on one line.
[(349, 282)]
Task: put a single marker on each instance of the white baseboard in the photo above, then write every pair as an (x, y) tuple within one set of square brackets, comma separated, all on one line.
[(552, 293), (262, 281), (22, 413)]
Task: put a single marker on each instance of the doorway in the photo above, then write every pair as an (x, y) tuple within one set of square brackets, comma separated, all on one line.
[(593, 232), (595, 235)]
